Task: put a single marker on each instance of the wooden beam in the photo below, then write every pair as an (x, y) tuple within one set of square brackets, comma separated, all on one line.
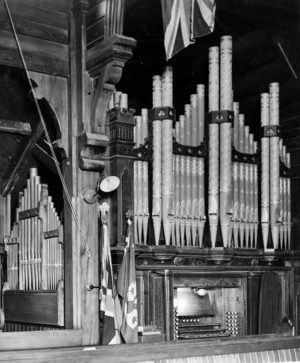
[(45, 158), (15, 127), (19, 163)]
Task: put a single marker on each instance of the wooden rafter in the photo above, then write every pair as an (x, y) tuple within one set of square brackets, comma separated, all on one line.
[(15, 127)]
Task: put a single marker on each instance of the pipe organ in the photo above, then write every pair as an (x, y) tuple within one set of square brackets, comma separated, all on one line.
[(35, 268), (207, 190), (202, 180)]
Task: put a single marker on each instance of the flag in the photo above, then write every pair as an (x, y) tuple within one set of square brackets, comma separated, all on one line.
[(185, 20), (109, 305), (127, 290)]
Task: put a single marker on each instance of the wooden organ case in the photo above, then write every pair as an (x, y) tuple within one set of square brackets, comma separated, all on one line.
[(33, 297), (213, 247)]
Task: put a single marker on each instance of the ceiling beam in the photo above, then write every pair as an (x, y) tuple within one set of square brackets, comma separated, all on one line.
[(45, 158), (15, 127), (19, 163)]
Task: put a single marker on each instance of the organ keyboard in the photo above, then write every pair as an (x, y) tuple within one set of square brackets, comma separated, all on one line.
[(192, 327)]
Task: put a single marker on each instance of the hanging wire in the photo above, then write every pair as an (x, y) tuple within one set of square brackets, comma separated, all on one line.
[(87, 250)]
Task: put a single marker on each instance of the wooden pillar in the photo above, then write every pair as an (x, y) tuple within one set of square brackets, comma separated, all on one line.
[(81, 305), (94, 71)]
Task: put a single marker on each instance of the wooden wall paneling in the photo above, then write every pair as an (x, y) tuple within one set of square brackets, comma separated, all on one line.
[(4, 231), (283, 303), (295, 192), (15, 341), (296, 299), (56, 5), (3, 224), (96, 22), (25, 26), (147, 297), (92, 79), (52, 5), (96, 11), (157, 301), (291, 294), (244, 312), (168, 304), (95, 33), (34, 14), (170, 308), (88, 215), (81, 250), (296, 303), (140, 286), (40, 55), (287, 290), (38, 307), (55, 90), (253, 303)]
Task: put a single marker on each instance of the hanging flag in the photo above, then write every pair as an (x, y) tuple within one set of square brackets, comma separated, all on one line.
[(127, 290), (202, 17), (185, 20), (109, 305)]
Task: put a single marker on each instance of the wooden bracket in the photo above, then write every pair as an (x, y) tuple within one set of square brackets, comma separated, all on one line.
[(104, 63), (91, 149)]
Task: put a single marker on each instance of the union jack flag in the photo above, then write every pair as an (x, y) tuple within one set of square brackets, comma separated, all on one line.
[(186, 20)]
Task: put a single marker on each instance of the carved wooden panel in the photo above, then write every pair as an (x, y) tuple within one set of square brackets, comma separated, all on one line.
[(252, 303)]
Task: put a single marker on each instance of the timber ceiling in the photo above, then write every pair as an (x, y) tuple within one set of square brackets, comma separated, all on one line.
[(266, 48)]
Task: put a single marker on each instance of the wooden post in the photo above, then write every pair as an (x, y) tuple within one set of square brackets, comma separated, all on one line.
[(103, 62)]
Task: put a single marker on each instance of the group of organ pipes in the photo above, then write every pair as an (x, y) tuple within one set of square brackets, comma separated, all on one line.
[(34, 246), (248, 188)]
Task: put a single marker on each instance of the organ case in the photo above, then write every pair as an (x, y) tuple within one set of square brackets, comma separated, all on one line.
[(33, 295)]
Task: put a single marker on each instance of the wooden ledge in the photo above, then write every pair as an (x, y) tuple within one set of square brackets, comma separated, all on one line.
[(150, 351)]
